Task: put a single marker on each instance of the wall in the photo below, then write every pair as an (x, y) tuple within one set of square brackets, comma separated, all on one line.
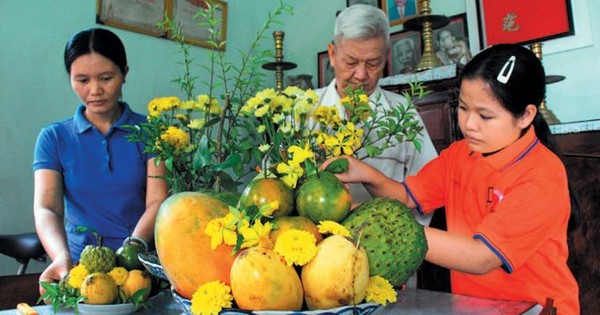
[(34, 89)]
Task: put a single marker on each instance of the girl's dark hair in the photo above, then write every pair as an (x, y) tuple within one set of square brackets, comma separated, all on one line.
[(101, 41), (517, 78)]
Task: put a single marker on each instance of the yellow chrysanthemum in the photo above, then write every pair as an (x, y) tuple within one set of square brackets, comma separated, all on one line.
[(196, 124), (266, 94), (261, 129), (208, 105), (264, 147), (380, 291), (333, 228), (261, 110), (177, 137), (77, 275), (119, 274), (188, 105), (222, 230), (210, 298), (296, 246), (281, 104), (161, 104)]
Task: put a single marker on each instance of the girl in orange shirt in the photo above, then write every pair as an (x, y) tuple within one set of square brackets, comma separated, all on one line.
[(504, 188)]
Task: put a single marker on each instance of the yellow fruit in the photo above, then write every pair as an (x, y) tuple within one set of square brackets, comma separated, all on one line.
[(99, 288), (136, 280), (338, 275), (286, 223), (261, 280)]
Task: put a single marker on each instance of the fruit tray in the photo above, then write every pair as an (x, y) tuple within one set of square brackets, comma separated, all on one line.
[(360, 309)]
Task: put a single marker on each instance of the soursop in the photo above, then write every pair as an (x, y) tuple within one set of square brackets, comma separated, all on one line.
[(395, 242)]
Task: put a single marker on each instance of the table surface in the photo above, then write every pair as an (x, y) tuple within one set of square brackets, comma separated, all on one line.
[(410, 301)]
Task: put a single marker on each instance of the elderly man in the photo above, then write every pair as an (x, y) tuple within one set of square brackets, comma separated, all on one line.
[(361, 43)]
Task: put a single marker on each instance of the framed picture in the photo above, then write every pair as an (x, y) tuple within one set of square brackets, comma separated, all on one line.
[(141, 16), (185, 13), (399, 11), (325, 70), (451, 42), (375, 3), (405, 52), (523, 22)]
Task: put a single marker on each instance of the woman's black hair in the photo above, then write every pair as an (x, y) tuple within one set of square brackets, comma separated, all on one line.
[(517, 78), (99, 40)]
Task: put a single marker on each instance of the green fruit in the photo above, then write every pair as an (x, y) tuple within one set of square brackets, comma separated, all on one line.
[(323, 198), (98, 259), (262, 191), (127, 257), (395, 242)]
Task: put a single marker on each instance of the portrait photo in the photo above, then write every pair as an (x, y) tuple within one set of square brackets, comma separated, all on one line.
[(399, 11), (325, 70), (405, 52), (375, 3), (451, 42)]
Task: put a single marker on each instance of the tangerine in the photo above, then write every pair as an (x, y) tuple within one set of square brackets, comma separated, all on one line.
[(323, 198), (99, 288), (263, 190)]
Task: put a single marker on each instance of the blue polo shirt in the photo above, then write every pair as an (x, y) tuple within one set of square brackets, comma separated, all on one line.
[(104, 176)]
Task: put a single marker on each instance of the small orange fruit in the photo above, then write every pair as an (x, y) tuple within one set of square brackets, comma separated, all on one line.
[(262, 191), (136, 281)]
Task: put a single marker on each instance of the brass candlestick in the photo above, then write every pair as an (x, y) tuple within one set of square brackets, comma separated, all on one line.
[(548, 115), (279, 65), (426, 23)]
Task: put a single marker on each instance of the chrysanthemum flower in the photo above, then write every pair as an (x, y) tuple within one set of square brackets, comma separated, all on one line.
[(380, 291), (77, 275), (211, 298), (177, 137), (333, 228), (296, 246), (161, 104), (119, 274)]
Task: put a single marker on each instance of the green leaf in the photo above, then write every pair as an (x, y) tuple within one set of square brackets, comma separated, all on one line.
[(202, 156), (232, 160), (338, 166)]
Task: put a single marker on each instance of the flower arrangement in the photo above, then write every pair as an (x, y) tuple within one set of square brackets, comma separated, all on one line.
[(203, 141)]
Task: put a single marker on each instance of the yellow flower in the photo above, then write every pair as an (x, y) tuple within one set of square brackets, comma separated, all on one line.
[(162, 104), (300, 155), (210, 298), (281, 104), (119, 274), (222, 230), (208, 105), (266, 94), (261, 110), (296, 246), (261, 129), (196, 124), (264, 147), (380, 291), (254, 234), (177, 137), (181, 117), (332, 227), (77, 275), (188, 105), (292, 170)]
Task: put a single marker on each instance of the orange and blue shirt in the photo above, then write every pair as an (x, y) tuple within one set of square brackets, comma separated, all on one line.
[(516, 201)]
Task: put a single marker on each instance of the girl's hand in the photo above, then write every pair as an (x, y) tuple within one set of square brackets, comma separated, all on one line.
[(56, 271), (357, 172)]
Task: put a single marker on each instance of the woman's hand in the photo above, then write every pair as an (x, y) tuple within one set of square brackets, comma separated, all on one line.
[(56, 271)]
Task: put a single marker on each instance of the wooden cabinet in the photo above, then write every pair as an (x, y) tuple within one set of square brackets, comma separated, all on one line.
[(438, 110)]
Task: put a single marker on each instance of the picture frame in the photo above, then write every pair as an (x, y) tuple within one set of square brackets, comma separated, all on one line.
[(325, 70), (375, 3), (405, 52), (184, 12), (408, 9), (522, 22), (143, 16), (451, 42), (140, 16)]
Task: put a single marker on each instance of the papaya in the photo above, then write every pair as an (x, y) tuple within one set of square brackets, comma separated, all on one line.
[(183, 247)]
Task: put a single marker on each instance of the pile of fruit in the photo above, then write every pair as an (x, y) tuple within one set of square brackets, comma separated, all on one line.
[(383, 241), (102, 277)]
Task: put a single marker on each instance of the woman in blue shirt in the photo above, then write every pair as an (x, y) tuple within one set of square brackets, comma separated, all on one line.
[(86, 172)]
